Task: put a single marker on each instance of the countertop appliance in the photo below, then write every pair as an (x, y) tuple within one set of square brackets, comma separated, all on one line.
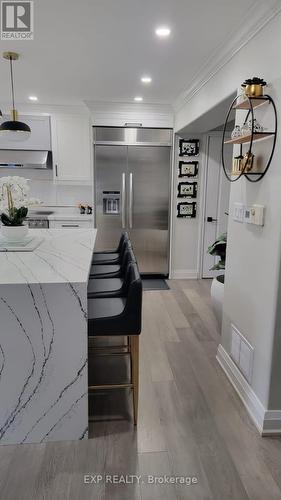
[(39, 220), (132, 181)]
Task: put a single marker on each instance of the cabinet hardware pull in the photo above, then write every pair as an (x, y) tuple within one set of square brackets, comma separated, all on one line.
[(70, 225)]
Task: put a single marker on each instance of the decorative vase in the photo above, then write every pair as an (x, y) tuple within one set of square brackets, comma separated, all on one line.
[(217, 295), (14, 234)]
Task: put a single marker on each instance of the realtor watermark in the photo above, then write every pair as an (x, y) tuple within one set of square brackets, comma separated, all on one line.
[(162, 480), (17, 20)]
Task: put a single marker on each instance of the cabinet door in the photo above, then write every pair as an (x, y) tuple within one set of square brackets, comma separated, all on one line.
[(72, 148)]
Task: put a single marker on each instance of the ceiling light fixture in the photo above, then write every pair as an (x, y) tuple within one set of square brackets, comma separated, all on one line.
[(14, 129), (163, 31), (146, 79), (33, 98), (138, 98)]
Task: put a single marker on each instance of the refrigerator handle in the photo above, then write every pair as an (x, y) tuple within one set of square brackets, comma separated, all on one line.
[(123, 200), (131, 201)]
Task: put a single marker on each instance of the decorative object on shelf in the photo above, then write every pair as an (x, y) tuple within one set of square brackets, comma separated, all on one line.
[(236, 132), (246, 163), (14, 203), (253, 125), (187, 189), (189, 147), (187, 209), (18, 131), (188, 168), (245, 129), (237, 165), (253, 87)]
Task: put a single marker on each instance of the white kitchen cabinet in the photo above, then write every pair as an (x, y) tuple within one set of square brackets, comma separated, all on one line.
[(72, 149), (71, 224), (39, 139)]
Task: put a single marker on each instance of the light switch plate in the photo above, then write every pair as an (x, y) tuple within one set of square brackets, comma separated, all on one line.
[(239, 212)]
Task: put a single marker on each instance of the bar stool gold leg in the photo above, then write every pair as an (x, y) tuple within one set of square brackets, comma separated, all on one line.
[(135, 373)]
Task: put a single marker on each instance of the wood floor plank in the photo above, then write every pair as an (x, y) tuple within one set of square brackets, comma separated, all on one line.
[(178, 319), (157, 465)]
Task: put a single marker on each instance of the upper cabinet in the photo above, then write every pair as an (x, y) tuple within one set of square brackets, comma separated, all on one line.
[(72, 148), (40, 137)]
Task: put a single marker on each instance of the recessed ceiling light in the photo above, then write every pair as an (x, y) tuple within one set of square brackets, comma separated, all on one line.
[(33, 98), (163, 31), (146, 79), (138, 98)]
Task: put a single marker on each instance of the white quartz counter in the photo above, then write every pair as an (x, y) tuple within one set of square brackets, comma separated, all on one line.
[(43, 339), (63, 256)]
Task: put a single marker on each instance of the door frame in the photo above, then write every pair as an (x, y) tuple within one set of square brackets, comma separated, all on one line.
[(202, 222)]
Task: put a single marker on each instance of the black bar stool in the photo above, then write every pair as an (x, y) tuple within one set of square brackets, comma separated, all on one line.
[(113, 270), (112, 287), (112, 257), (120, 316)]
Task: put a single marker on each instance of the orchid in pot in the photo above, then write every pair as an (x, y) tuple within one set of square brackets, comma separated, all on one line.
[(14, 203)]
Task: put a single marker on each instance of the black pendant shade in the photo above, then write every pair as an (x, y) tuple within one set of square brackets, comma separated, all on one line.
[(14, 126)]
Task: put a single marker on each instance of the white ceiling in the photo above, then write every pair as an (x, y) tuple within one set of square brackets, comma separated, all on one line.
[(97, 50)]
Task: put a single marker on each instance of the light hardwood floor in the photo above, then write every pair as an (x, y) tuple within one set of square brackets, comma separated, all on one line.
[(191, 422)]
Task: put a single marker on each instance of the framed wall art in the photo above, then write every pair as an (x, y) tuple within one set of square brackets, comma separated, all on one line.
[(187, 209), (187, 189), (189, 147), (188, 168)]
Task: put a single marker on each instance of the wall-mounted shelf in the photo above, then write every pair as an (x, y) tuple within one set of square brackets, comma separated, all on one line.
[(256, 102), (249, 104), (247, 138)]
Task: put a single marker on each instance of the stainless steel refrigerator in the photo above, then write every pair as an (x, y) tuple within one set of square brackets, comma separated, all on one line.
[(132, 169)]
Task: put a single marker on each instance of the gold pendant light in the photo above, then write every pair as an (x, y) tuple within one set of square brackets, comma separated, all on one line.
[(14, 129)]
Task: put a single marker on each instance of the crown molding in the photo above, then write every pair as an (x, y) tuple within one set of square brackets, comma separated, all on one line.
[(257, 19)]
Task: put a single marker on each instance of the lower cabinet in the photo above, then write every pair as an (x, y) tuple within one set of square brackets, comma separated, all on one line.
[(71, 224)]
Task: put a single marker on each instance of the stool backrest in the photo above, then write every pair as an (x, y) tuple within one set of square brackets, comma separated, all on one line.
[(124, 237), (133, 308), (128, 257)]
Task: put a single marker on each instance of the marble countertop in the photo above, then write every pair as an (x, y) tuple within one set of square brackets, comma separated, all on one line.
[(64, 256)]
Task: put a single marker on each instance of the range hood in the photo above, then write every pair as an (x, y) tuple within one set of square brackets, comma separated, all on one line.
[(12, 158)]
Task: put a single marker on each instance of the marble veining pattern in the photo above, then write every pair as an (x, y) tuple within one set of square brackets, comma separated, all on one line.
[(43, 339)]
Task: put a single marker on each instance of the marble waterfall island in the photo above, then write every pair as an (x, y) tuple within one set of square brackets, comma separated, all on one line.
[(43, 338)]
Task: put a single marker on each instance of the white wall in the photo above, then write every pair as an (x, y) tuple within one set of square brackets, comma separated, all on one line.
[(253, 257), (185, 232)]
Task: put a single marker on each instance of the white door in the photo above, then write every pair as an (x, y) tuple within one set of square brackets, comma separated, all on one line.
[(216, 203)]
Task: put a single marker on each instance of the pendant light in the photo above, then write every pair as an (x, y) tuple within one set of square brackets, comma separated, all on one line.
[(13, 129)]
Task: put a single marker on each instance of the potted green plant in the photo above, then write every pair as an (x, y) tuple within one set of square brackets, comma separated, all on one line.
[(218, 249), (14, 203)]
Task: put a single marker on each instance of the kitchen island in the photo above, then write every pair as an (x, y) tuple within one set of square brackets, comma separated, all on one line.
[(43, 338)]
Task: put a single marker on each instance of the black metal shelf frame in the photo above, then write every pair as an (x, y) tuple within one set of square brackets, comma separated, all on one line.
[(256, 176)]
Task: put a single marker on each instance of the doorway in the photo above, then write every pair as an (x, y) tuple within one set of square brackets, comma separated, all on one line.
[(217, 191)]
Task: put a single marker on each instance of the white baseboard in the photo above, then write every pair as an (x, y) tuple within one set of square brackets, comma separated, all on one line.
[(184, 274), (268, 422)]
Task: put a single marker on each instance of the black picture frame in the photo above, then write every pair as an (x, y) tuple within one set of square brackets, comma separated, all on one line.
[(187, 209), (188, 168), (189, 147), (187, 189)]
